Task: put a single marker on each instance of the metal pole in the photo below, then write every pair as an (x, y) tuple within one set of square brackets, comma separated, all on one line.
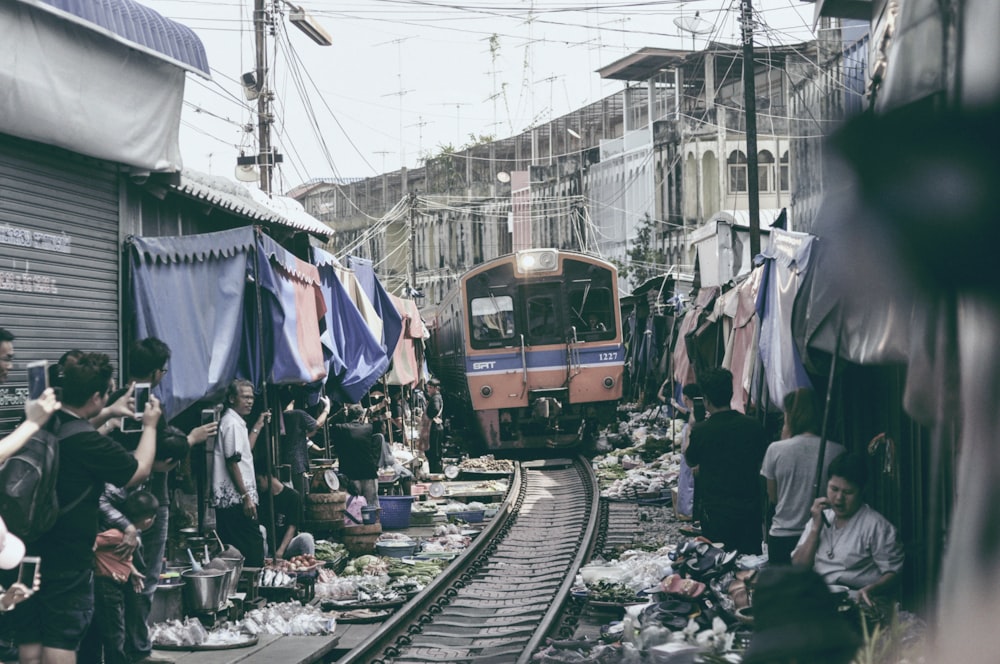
[(750, 105), (264, 156), (413, 240), (818, 481), (268, 429)]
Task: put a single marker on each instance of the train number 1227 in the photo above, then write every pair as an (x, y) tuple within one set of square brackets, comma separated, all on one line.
[(607, 357)]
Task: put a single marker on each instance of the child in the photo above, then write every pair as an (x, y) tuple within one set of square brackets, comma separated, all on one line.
[(115, 578)]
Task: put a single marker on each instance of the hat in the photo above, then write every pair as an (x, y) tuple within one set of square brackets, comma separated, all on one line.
[(11, 548), (435, 382), (795, 616)]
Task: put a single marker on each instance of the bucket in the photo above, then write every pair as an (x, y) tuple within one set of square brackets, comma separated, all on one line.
[(369, 515), (236, 565), (203, 590), (168, 603), (396, 511)]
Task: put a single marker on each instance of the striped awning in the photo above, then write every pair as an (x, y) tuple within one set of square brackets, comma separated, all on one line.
[(134, 25)]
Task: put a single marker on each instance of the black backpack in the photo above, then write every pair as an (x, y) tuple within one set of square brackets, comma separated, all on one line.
[(29, 503)]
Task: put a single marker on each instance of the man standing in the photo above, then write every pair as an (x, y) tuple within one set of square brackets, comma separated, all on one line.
[(36, 412), (50, 625), (234, 491), (147, 363), (435, 412), (728, 449), (357, 454)]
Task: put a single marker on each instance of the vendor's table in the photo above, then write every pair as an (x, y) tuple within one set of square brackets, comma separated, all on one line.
[(269, 648)]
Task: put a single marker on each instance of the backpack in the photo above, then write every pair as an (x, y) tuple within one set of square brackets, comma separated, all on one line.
[(29, 503)]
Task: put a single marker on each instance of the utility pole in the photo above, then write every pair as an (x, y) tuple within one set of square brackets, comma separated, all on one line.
[(264, 158), (412, 200), (750, 107)]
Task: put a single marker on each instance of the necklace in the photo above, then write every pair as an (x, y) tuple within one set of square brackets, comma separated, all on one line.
[(834, 538)]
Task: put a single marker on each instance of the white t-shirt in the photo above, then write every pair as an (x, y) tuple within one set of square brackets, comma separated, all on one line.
[(232, 439), (792, 464), (858, 553)]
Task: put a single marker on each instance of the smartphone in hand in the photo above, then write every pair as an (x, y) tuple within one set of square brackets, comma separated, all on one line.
[(28, 569), (38, 378), (141, 395)]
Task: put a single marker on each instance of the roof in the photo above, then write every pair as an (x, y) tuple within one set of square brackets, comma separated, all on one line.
[(136, 26), (249, 202)]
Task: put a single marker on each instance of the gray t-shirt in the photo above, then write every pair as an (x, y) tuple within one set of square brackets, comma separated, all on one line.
[(859, 553), (792, 464)]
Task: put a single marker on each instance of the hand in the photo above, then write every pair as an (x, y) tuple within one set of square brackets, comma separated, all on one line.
[(153, 411), (130, 541), (16, 594), (864, 596), (124, 406), (816, 511), (39, 410), (202, 433), (263, 419), (325, 400), (249, 509)]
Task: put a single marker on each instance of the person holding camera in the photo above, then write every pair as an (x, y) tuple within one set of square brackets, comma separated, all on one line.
[(36, 411), (50, 625)]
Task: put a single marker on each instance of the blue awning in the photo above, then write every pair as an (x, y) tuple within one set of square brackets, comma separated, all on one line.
[(134, 25)]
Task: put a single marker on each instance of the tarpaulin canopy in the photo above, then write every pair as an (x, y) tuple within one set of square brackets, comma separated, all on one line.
[(785, 263), (392, 322), (405, 368), (192, 293), (355, 358)]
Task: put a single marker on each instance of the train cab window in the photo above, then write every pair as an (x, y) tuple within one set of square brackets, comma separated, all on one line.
[(592, 311), (492, 320), (542, 315)]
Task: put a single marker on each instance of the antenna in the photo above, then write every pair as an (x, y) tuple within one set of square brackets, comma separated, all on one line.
[(399, 74), (420, 123), (695, 25), (383, 153), (458, 119)]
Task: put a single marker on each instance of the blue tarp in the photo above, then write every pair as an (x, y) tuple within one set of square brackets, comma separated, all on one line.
[(190, 293), (356, 359), (392, 321)]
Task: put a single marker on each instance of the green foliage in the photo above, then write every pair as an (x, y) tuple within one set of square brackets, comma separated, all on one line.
[(645, 259)]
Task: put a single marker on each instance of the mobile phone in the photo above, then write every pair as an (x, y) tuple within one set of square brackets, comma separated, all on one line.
[(29, 568), (38, 378), (699, 408), (141, 395), (208, 416)]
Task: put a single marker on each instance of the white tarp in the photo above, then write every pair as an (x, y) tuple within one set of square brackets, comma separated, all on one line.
[(64, 85)]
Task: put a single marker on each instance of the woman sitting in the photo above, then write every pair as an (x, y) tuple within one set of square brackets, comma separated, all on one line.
[(846, 541)]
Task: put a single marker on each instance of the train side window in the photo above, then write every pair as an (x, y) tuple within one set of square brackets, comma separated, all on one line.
[(492, 318)]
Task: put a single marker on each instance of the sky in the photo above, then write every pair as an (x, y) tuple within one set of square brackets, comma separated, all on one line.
[(405, 79)]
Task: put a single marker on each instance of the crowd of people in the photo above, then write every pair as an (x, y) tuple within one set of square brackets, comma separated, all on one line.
[(90, 596), (819, 521)]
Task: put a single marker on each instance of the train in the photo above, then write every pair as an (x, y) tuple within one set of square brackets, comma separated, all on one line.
[(529, 345)]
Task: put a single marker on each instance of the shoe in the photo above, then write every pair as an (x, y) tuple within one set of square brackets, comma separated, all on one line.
[(153, 659)]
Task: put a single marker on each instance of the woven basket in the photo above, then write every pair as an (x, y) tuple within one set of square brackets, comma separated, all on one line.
[(360, 540), (326, 506), (395, 511)]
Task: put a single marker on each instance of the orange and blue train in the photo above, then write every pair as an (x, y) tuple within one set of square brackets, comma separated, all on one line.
[(530, 344)]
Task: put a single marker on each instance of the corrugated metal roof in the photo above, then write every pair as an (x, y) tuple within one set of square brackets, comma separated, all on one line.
[(135, 25), (249, 202)]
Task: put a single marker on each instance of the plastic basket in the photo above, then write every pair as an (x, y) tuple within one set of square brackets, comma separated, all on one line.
[(395, 511), (469, 516)]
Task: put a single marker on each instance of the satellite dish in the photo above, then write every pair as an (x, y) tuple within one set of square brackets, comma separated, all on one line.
[(695, 25), (247, 173), (503, 176)]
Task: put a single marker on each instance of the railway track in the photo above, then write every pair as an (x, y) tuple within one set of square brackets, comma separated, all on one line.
[(498, 601)]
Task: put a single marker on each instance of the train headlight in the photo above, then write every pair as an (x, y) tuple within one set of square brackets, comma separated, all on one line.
[(538, 260), (486, 390), (609, 382)]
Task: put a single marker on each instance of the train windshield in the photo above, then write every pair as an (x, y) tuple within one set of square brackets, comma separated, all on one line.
[(592, 311), (493, 318), (543, 314)]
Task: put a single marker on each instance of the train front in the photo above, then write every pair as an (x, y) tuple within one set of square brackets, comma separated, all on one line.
[(543, 347)]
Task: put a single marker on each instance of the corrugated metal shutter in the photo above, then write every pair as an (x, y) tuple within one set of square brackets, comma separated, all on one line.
[(59, 258)]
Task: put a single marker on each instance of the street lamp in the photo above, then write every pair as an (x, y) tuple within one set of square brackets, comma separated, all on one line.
[(307, 24)]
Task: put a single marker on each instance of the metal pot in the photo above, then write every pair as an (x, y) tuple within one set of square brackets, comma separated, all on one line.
[(167, 603), (236, 565), (204, 591)]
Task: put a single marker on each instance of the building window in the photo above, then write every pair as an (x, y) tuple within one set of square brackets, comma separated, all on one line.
[(737, 172), (783, 172), (765, 171)]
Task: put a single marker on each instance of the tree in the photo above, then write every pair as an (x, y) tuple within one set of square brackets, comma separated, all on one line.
[(645, 258)]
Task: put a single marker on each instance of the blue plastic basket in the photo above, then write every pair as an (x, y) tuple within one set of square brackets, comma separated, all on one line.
[(395, 511)]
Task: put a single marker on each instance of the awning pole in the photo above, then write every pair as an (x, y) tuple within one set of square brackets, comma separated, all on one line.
[(817, 483)]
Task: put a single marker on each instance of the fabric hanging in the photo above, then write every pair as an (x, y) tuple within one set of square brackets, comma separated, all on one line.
[(392, 321)]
